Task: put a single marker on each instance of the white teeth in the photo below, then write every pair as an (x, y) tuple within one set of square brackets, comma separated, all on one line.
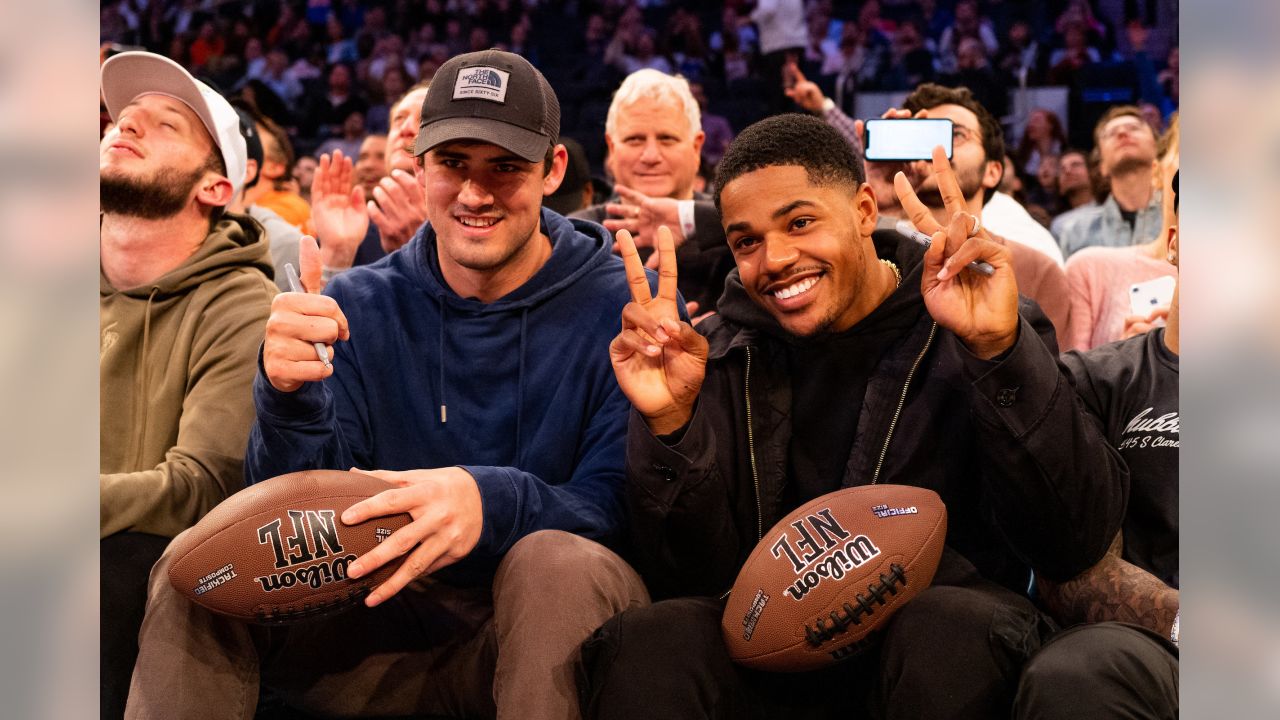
[(477, 222), (793, 290)]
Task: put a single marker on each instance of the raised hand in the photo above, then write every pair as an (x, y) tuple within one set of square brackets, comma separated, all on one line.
[(659, 360), (982, 311), (337, 210), (398, 208), (447, 519), (803, 92), (642, 215), (297, 321)]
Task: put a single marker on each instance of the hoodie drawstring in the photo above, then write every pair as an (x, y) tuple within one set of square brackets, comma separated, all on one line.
[(142, 402), (444, 408)]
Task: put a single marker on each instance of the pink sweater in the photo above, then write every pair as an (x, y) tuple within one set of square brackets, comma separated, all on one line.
[(1099, 278)]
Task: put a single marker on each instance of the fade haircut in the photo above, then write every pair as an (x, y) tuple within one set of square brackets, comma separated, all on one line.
[(931, 95), (650, 84), (792, 139)]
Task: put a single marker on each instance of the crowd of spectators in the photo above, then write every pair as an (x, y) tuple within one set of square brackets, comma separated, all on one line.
[(327, 69)]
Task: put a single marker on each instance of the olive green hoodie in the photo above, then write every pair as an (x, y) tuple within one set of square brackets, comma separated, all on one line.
[(176, 367)]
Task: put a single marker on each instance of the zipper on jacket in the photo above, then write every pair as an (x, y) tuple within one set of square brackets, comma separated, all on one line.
[(902, 400), (751, 452)]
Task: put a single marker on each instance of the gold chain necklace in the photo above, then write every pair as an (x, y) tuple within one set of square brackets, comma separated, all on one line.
[(897, 274)]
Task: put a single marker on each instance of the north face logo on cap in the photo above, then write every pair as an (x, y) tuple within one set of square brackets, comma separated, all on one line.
[(484, 83)]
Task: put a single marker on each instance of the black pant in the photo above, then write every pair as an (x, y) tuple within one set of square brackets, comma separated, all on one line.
[(1107, 670), (126, 564), (955, 651)]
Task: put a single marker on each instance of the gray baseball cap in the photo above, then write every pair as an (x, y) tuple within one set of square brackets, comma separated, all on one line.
[(130, 74), (493, 96)]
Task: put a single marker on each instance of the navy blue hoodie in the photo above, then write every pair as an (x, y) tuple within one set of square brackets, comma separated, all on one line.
[(519, 392)]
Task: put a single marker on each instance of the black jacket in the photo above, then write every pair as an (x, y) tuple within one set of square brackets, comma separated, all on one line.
[(1025, 472)]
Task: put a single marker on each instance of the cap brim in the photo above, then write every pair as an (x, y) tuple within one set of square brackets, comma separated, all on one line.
[(527, 144)]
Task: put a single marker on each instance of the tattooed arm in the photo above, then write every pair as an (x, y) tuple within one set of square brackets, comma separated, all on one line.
[(1112, 590)]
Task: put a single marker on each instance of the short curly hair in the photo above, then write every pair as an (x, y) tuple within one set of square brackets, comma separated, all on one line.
[(792, 139)]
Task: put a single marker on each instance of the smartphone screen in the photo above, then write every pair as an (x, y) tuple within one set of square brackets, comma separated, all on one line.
[(906, 139)]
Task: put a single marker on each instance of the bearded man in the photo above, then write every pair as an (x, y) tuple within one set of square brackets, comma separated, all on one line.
[(185, 290)]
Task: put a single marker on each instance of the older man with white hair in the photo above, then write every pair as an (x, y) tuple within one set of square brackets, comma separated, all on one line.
[(654, 135)]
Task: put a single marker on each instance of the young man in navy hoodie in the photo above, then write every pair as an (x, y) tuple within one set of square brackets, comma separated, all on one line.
[(471, 370)]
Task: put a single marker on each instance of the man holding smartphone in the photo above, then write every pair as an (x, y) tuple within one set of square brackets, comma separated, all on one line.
[(977, 160)]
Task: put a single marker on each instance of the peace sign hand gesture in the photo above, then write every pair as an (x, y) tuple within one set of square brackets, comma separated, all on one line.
[(982, 311), (659, 361)]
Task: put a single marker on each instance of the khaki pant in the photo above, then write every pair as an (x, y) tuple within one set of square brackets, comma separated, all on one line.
[(508, 651)]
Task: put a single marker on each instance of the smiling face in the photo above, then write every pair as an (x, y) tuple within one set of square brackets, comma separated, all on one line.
[(653, 149), (484, 204), (803, 250)]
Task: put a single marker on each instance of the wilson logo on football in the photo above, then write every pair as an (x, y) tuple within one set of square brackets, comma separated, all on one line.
[(821, 549), (315, 536)]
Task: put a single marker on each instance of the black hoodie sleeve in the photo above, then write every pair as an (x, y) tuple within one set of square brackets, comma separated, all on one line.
[(683, 531), (1056, 488)]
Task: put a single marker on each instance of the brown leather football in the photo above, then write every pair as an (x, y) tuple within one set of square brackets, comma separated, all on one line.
[(830, 573), (278, 551)]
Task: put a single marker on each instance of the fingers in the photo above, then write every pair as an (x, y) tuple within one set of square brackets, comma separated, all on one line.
[(430, 554), (620, 210), (920, 215), (320, 181), (307, 317), (637, 317), (310, 265), (934, 257), (667, 271), (408, 184), (630, 342), (636, 278), (342, 173), (378, 217), (691, 307), (297, 321), (896, 114), (634, 197), (948, 186), (391, 477), (631, 225), (683, 336), (969, 249), (858, 127)]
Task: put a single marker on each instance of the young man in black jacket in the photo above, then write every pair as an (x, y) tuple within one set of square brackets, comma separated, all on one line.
[(839, 359)]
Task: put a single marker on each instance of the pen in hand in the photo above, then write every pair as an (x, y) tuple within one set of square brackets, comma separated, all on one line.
[(906, 229), (296, 286)]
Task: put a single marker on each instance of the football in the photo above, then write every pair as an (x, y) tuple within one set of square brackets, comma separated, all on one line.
[(830, 573), (277, 551)]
